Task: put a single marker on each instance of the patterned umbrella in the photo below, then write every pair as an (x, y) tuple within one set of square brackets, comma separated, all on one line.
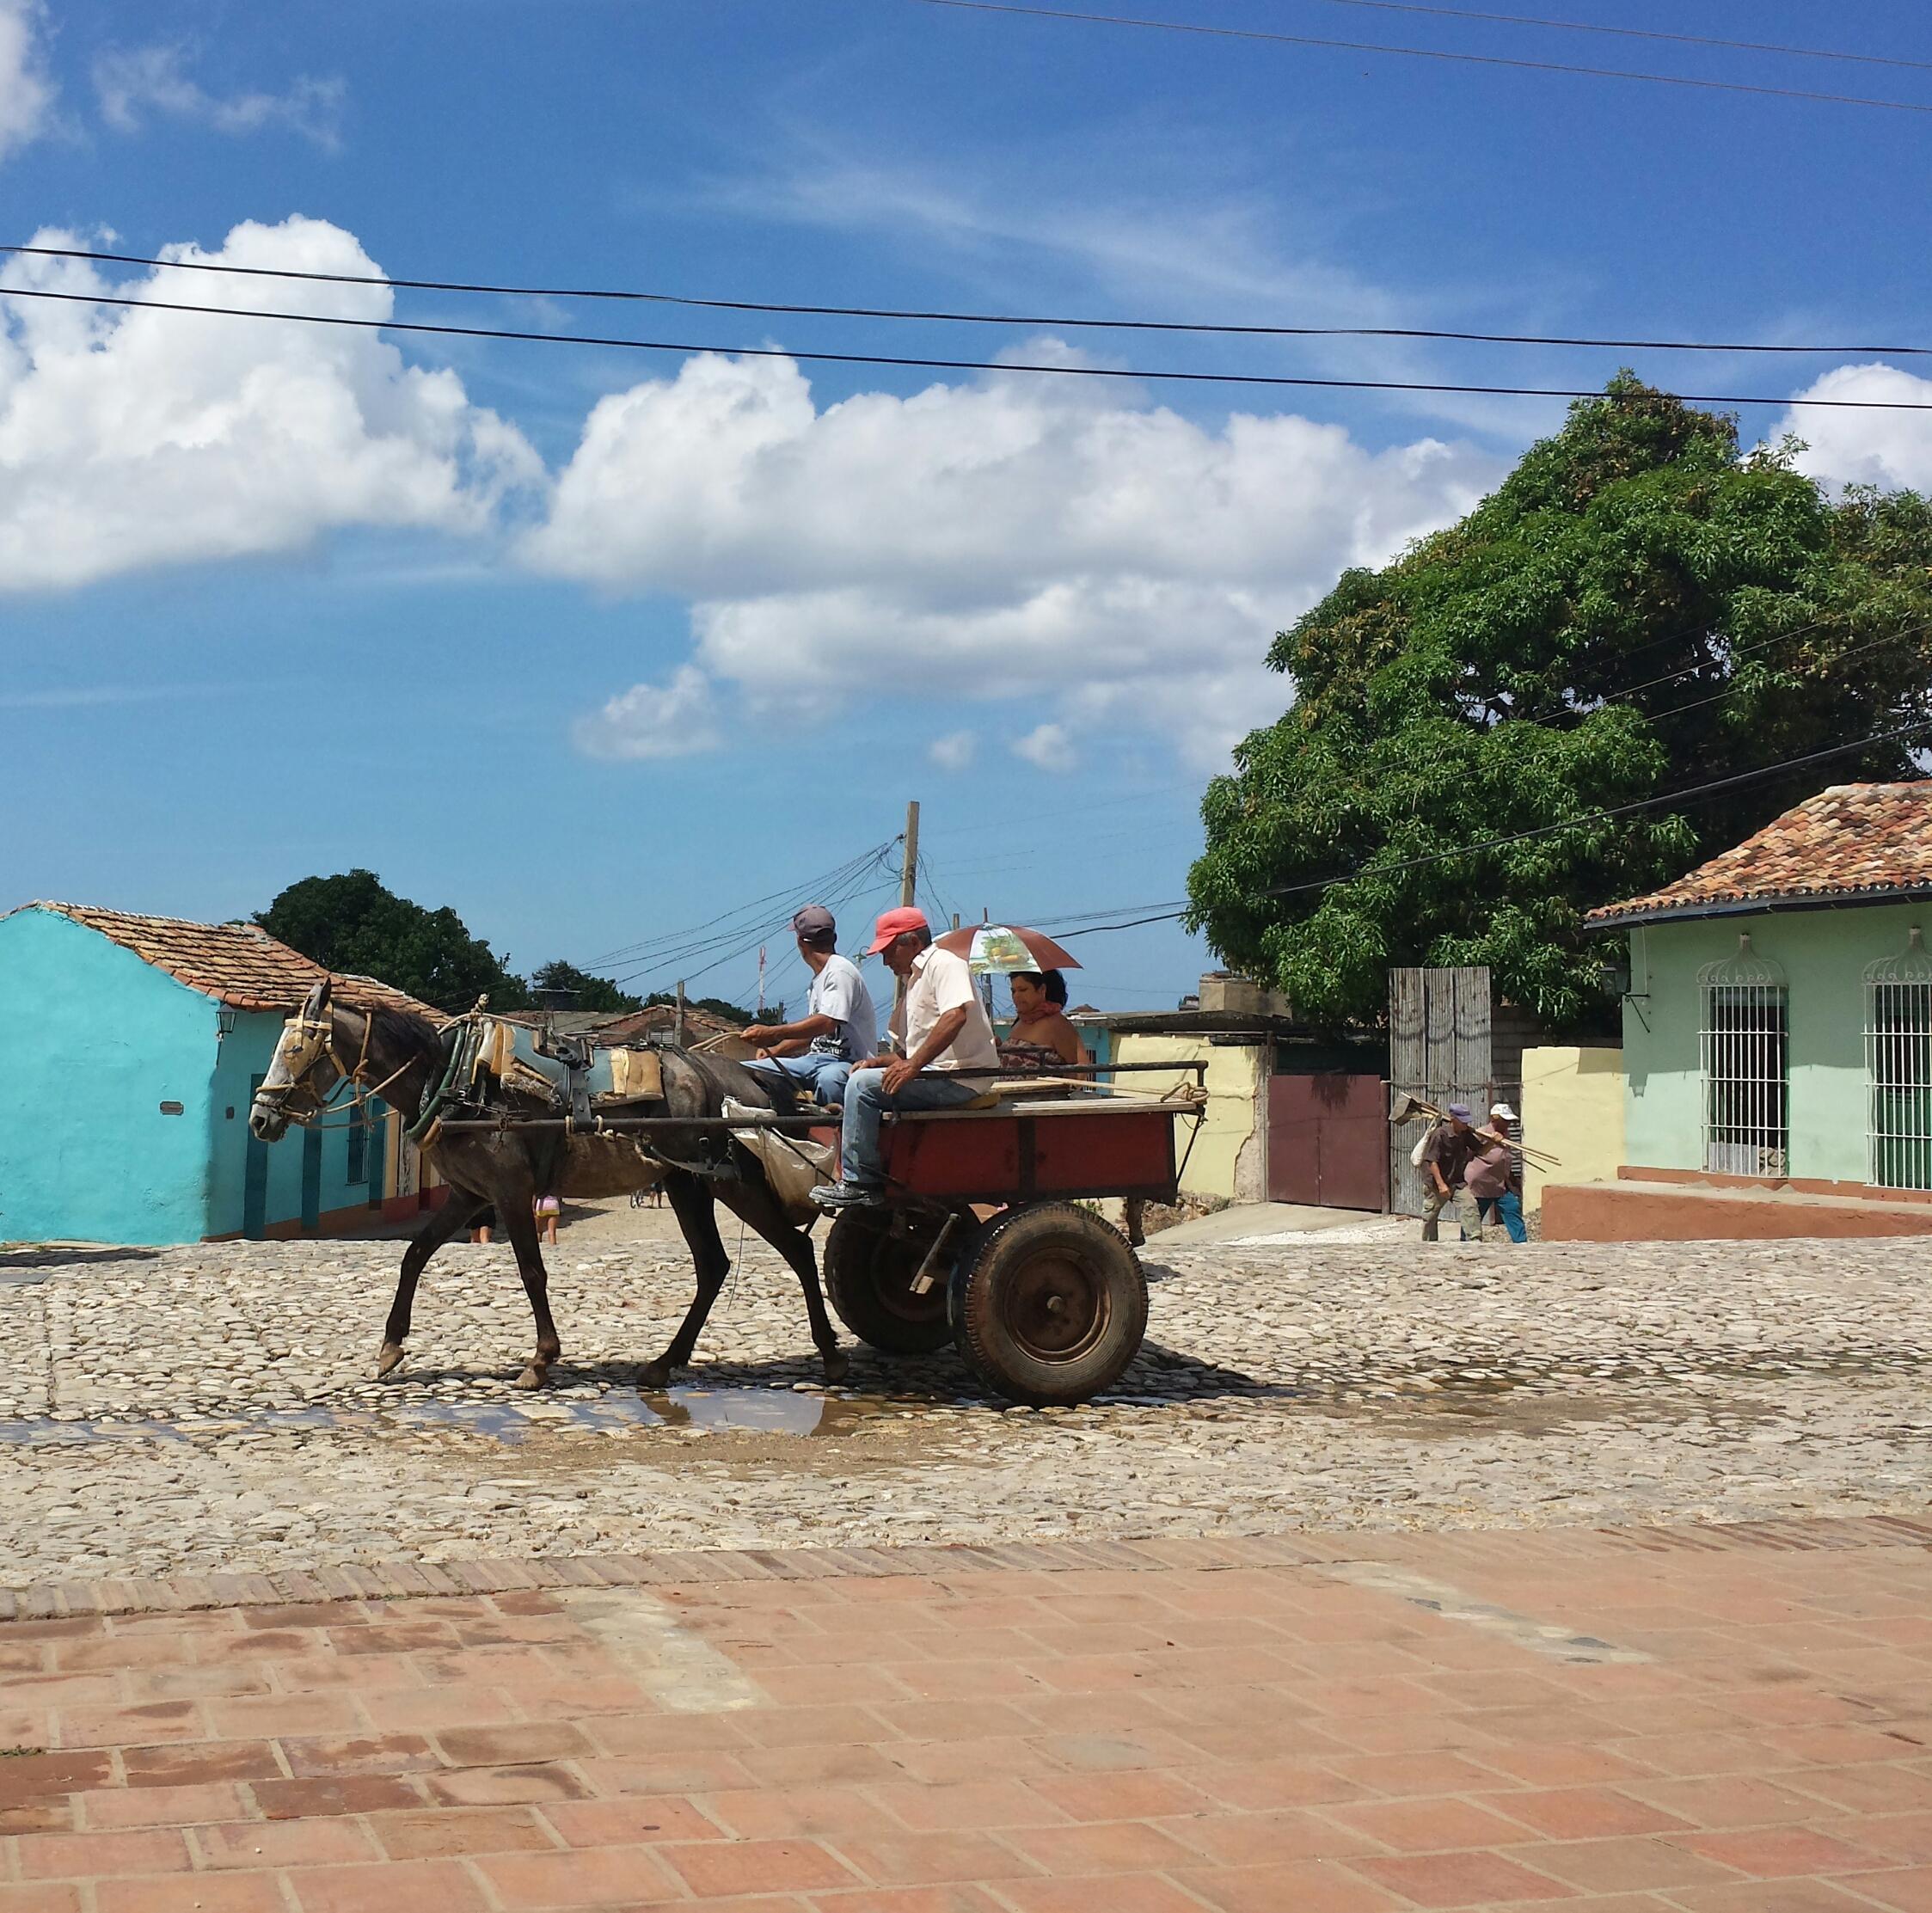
[(1001, 949)]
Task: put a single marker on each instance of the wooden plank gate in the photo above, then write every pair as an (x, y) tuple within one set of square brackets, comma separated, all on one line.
[(1441, 1049)]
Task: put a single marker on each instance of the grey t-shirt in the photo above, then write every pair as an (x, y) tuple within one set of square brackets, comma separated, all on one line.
[(838, 991)]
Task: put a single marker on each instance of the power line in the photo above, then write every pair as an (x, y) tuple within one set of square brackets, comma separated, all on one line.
[(1166, 914), (671, 938), (1639, 33), (1060, 322), (1691, 671), (688, 349), (747, 938), (1620, 810), (1420, 52)]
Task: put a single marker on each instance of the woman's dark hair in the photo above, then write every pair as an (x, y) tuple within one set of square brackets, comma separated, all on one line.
[(1053, 985)]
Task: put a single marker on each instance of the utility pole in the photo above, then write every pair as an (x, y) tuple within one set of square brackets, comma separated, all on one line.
[(678, 1028), (909, 877)]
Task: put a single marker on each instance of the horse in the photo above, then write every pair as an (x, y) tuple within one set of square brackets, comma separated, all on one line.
[(400, 1055)]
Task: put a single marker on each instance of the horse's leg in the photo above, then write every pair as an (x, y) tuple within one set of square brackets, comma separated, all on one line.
[(450, 1220), (519, 1222), (759, 1207), (697, 1216)]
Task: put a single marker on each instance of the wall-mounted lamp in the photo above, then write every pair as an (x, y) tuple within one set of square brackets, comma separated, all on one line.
[(225, 1024)]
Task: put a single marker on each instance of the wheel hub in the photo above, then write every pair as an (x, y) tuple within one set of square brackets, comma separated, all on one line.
[(1056, 1307)]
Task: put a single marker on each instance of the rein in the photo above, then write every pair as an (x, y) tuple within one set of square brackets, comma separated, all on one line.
[(321, 1031)]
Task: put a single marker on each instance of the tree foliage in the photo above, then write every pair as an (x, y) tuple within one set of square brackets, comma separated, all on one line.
[(1640, 607), (353, 923), (717, 1005), (564, 986)]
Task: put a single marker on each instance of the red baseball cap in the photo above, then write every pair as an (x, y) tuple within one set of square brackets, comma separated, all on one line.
[(894, 923)]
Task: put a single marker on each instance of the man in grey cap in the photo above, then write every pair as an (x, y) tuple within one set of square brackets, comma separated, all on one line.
[(840, 1026), (1445, 1160)]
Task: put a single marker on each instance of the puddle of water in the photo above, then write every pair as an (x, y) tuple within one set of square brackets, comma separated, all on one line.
[(759, 1411), (37, 1431), (752, 1411), (480, 1418)]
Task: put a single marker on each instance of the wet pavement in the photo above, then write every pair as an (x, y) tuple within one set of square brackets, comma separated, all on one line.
[(215, 1408)]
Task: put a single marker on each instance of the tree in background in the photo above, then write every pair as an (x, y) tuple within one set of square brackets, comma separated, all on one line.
[(583, 990), (1640, 607), (353, 923), (732, 1013)]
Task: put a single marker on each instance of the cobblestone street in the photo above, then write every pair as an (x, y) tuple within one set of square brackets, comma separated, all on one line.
[(213, 1407)]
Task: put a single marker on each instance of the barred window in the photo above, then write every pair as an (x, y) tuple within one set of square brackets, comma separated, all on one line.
[(1899, 1068), (1745, 1065), (359, 1151)]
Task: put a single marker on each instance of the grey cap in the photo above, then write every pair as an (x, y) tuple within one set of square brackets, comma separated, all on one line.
[(1460, 1111), (814, 921)]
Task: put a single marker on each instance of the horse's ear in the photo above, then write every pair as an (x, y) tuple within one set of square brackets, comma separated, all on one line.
[(316, 1004)]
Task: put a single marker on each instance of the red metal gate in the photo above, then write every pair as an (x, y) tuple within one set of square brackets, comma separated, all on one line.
[(1328, 1140)]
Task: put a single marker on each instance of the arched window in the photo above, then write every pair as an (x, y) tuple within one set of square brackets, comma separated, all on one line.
[(1744, 1054), (1899, 1067)]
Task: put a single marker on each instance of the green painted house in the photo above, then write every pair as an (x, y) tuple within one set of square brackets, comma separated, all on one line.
[(1777, 1007)]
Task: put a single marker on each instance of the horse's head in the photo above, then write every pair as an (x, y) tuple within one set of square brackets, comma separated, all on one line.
[(303, 1069)]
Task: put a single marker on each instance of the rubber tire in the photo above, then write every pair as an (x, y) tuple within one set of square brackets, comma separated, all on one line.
[(868, 1274), (987, 1304)]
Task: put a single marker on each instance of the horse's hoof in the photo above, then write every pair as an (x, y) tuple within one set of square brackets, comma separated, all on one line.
[(532, 1378), (390, 1359), (838, 1365), (654, 1375)]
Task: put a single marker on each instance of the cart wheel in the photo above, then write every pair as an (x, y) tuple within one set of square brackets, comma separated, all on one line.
[(868, 1274), (1053, 1307)]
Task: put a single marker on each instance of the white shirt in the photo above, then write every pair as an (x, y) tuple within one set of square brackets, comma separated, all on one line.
[(838, 991), (942, 981)]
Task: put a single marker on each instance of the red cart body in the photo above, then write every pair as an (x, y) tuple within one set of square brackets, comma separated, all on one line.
[(1060, 1151)]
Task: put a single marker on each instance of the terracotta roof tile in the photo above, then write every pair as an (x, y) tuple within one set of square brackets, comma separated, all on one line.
[(1854, 840), (237, 964)]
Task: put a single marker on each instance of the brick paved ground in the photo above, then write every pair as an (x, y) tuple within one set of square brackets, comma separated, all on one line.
[(1719, 1720)]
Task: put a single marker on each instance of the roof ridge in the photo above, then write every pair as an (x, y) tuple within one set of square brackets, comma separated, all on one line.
[(1865, 840)]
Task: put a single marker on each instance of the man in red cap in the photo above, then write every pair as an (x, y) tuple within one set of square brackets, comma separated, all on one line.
[(947, 1053)]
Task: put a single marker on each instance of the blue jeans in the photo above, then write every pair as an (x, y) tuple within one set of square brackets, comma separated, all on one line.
[(823, 1075), (866, 1101), (1507, 1209)]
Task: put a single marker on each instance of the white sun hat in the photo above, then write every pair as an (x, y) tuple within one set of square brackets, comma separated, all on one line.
[(1503, 1110)]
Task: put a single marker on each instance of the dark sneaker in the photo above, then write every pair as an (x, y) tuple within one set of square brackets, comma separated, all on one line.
[(847, 1195)]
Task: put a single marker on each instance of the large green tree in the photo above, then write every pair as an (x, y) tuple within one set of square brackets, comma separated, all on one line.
[(353, 923), (583, 990), (1640, 607)]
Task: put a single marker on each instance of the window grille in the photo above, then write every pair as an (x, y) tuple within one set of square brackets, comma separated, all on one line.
[(1747, 1099), (358, 1152), (1899, 1067)]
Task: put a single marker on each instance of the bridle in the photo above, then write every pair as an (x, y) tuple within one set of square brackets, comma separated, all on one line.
[(313, 1039)]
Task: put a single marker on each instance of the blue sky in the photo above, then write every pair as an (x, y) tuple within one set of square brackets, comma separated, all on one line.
[(596, 644)]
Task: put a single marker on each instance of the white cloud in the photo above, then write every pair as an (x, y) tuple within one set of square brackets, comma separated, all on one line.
[(131, 439), (954, 751), (677, 718), (1048, 747), (133, 82), (1870, 448), (26, 92), (1013, 537)]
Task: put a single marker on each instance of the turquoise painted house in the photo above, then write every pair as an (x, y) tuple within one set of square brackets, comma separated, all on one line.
[(1777, 1010), (129, 1047)]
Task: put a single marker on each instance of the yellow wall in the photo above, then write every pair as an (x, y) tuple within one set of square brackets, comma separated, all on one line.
[(1573, 1109), (1229, 1158)]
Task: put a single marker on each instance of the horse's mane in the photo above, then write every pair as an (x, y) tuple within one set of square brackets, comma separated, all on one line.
[(403, 1028)]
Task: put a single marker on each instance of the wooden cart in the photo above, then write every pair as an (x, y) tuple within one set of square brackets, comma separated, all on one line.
[(985, 1241)]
